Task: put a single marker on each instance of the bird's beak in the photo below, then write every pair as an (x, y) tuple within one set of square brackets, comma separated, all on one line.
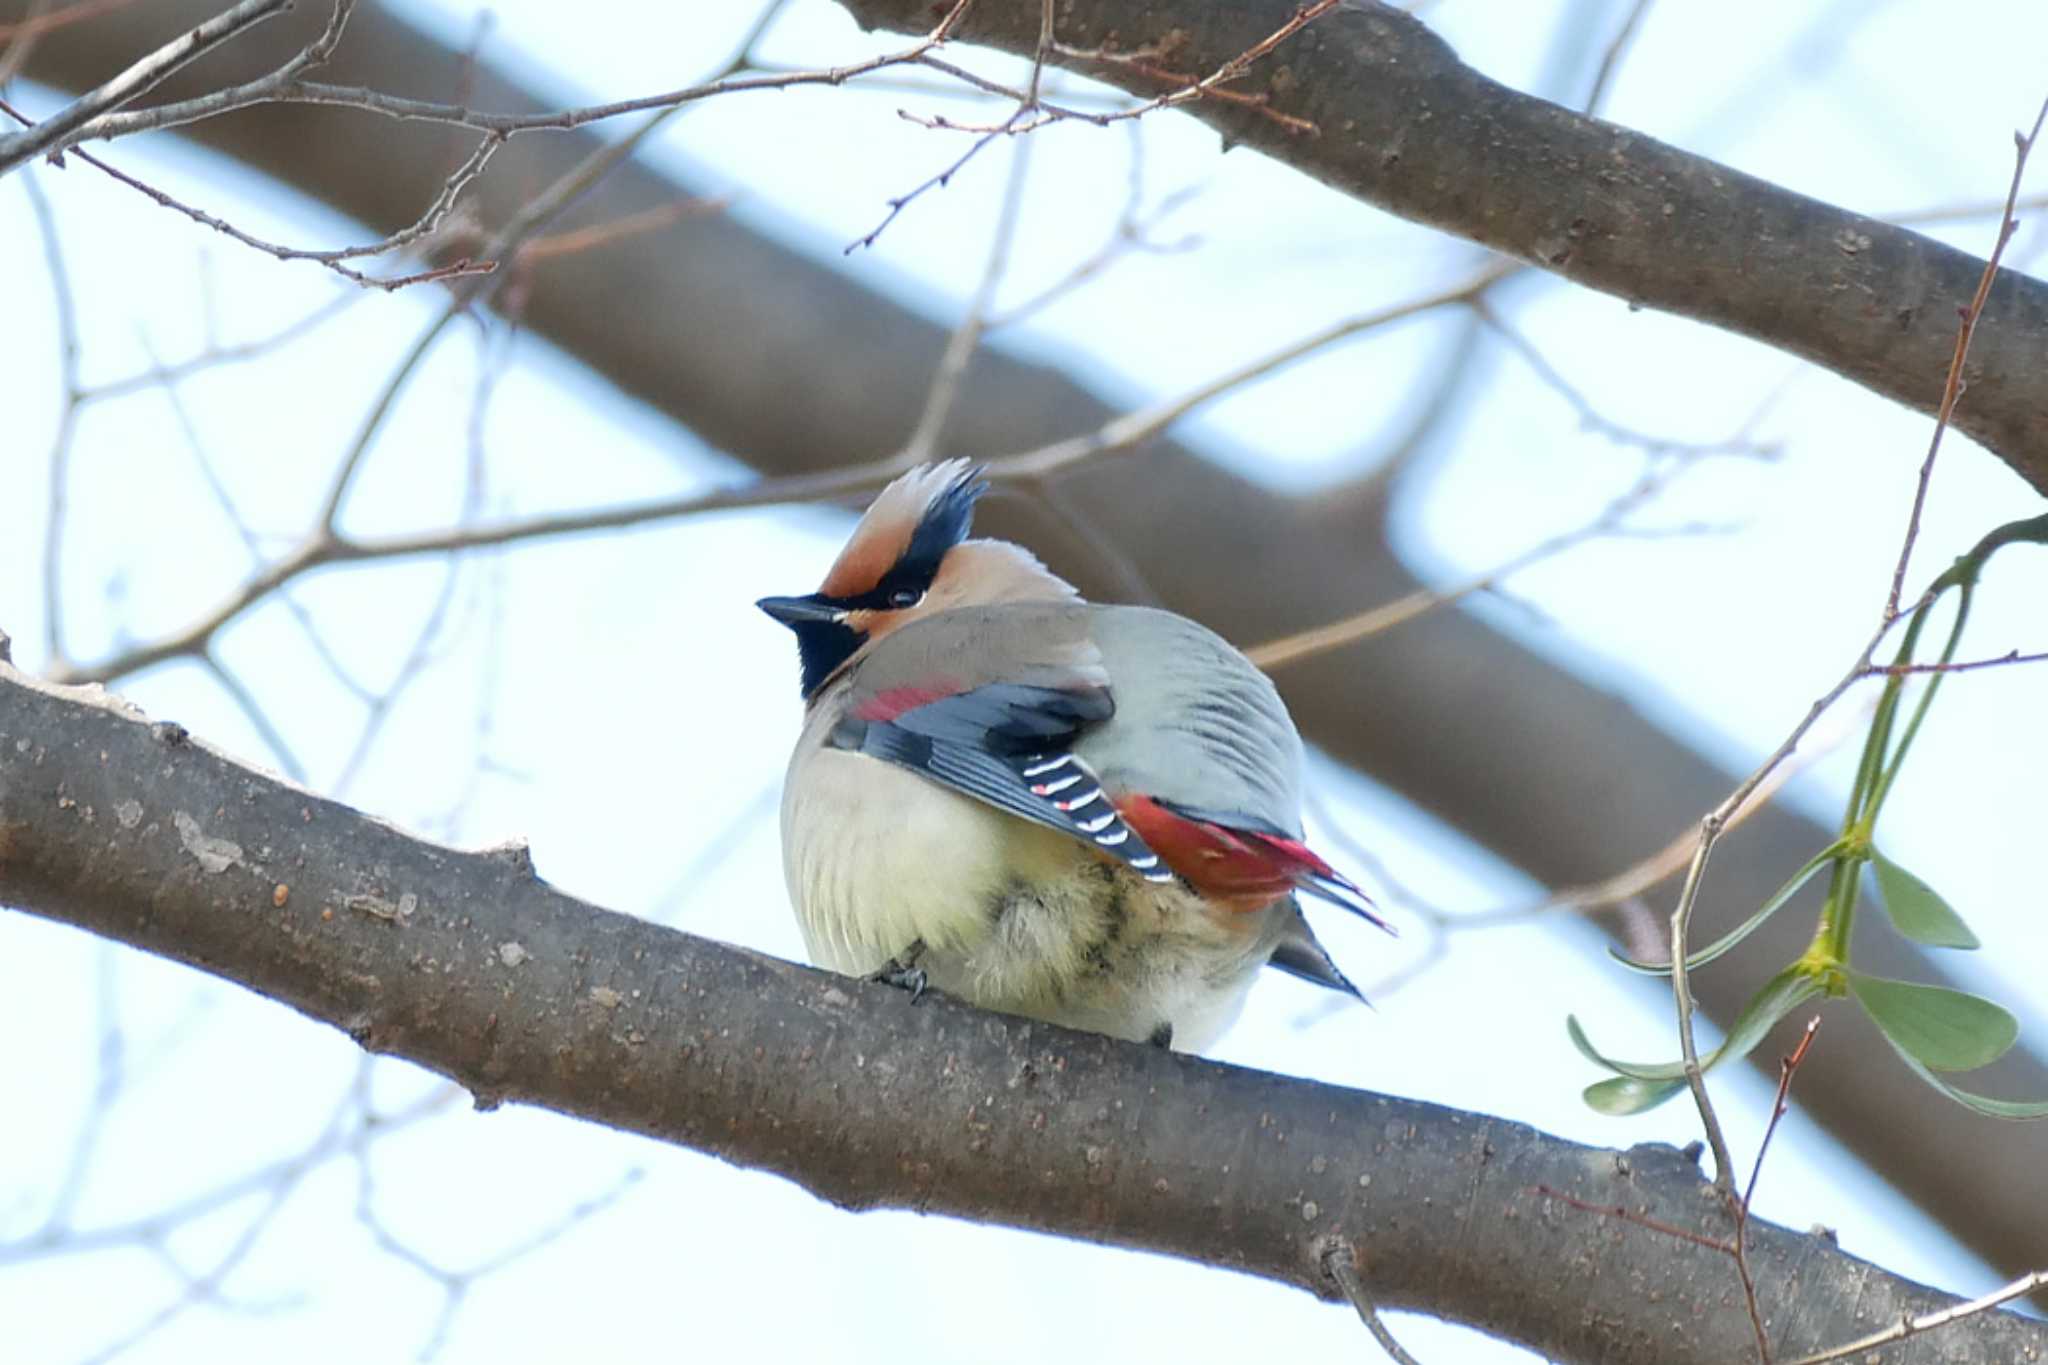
[(796, 611)]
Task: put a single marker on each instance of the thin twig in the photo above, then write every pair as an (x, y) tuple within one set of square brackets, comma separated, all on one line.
[(213, 355), (1610, 60), (309, 58), (1015, 122), (1637, 880), (1714, 823), (966, 338), (239, 693), (1039, 54), (1711, 827), (977, 83), (417, 658), (1625, 1214), (181, 417), (1317, 640), (325, 544), (1927, 1322), (2011, 656), (540, 211), (287, 83), (335, 1139), (455, 1283), (138, 79), (964, 85), (328, 545), (1042, 114), (55, 512), (110, 1081), (204, 1286), (1788, 1067), (1952, 387), (1962, 213), (1138, 427), (1131, 234), (1625, 888), (252, 544), (428, 222), (1592, 419), (1611, 522), (287, 87), (574, 241), (1340, 1260), (1210, 86)]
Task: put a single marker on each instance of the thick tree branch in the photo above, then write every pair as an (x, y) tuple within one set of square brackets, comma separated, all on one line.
[(1403, 124), (469, 965), (740, 338)]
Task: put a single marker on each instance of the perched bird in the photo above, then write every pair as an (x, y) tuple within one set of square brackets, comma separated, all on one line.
[(1085, 814)]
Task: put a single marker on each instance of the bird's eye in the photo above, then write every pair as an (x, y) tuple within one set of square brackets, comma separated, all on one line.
[(905, 597)]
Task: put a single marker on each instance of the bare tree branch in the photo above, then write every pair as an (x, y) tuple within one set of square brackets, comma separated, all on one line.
[(325, 544), (287, 85), (1406, 126), (139, 79), (469, 965)]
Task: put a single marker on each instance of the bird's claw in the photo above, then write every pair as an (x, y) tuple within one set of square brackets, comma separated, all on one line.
[(912, 979), (904, 974)]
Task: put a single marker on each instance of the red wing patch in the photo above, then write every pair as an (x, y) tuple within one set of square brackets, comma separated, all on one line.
[(1221, 863), (1237, 868), (892, 702)]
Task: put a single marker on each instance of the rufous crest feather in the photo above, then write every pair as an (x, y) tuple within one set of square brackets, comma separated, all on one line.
[(913, 521)]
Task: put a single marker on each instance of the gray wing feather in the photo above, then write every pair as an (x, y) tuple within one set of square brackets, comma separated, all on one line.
[(1196, 722)]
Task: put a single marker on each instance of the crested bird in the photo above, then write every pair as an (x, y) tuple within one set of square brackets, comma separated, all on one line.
[(1082, 813)]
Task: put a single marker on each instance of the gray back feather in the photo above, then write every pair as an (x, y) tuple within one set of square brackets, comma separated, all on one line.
[(1196, 723)]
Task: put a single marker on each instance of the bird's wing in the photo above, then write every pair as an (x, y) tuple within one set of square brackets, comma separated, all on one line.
[(1191, 767), (1009, 744), (1207, 764)]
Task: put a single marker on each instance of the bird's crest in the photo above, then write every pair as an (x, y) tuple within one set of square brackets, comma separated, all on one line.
[(908, 528)]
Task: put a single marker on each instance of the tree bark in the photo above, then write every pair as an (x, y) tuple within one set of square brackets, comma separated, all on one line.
[(745, 341), (467, 964)]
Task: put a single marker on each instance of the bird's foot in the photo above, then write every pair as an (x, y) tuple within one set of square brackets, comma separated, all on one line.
[(904, 974)]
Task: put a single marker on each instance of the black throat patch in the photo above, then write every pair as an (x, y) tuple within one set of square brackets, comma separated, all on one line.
[(823, 646)]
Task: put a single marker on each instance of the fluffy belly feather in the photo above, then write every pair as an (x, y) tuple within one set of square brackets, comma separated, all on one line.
[(1013, 916)]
